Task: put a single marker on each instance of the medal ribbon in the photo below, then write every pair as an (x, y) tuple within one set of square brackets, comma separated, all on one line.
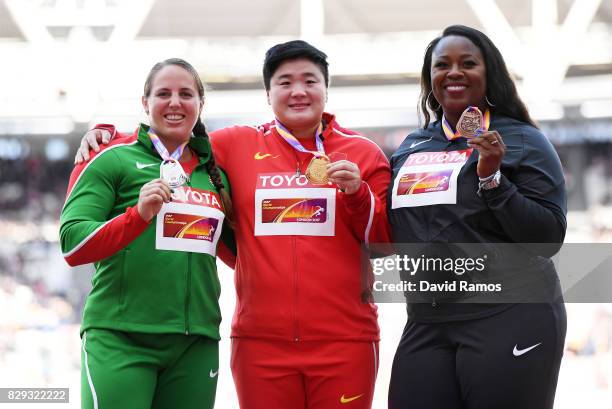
[(448, 130), (161, 149), (295, 143)]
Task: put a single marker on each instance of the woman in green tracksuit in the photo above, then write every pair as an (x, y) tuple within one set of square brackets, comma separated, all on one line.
[(149, 213)]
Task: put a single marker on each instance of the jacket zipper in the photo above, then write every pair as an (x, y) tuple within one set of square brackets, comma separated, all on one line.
[(188, 286), (296, 335)]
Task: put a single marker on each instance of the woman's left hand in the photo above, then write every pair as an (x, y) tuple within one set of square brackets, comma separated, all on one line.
[(346, 175), (492, 149)]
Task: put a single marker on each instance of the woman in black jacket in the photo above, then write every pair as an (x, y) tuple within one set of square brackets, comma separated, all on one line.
[(480, 173)]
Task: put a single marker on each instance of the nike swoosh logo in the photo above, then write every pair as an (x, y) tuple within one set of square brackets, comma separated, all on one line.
[(145, 165), (418, 143), (519, 352), (213, 374), (348, 400), (260, 156)]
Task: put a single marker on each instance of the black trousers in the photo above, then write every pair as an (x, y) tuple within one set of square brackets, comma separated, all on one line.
[(506, 361)]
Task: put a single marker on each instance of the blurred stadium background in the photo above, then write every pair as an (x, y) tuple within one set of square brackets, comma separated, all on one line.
[(68, 64)]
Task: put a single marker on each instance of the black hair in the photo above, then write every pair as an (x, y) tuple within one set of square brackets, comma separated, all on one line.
[(293, 50), (501, 90)]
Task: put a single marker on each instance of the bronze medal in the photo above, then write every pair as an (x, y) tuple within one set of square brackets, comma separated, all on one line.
[(316, 172), (470, 123)]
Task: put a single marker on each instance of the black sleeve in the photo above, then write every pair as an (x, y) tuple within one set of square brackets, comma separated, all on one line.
[(530, 204)]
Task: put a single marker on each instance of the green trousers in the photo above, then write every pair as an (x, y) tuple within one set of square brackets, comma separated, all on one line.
[(141, 371)]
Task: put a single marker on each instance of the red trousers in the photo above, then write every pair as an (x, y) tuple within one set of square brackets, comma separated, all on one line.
[(304, 375)]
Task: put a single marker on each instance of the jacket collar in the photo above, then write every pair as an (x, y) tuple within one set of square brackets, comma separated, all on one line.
[(200, 145), (329, 122)]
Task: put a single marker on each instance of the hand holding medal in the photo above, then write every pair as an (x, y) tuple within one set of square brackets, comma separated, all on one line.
[(474, 126), (491, 148), (344, 173), (152, 197), (322, 169), (171, 176)]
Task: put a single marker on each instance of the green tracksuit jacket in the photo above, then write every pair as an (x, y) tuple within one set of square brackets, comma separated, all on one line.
[(136, 287)]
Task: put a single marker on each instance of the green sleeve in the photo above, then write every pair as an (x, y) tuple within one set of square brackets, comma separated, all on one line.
[(90, 200)]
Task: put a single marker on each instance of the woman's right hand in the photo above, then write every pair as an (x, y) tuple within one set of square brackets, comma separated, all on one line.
[(491, 149), (91, 140), (152, 197)]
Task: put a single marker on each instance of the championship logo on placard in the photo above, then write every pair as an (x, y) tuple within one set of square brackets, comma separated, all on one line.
[(187, 226), (429, 178), (424, 182), (294, 210), (290, 204)]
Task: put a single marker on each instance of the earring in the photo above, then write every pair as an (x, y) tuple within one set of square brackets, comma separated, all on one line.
[(430, 105), (489, 102)]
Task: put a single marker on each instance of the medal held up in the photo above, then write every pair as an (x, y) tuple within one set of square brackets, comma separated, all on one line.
[(470, 125), (316, 172), (470, 122), (170, 170)]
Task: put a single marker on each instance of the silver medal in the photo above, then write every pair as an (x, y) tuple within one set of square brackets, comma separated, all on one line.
[(172, 172)]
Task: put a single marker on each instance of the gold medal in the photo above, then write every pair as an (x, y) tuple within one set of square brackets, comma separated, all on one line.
[(470, 123), (316, 172)]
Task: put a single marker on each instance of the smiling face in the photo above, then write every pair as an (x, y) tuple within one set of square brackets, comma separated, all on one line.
[(173, 105), (297, 95), (458, 76)]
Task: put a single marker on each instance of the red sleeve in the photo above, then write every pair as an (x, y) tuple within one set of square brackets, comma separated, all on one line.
[(109, 239), (368, 206), (107, 127), (221, 141), (116, 137)]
